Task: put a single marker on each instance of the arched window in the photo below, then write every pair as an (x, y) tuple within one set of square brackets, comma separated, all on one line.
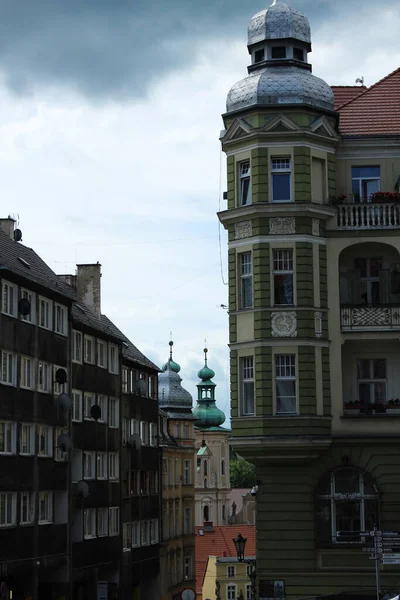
[(223, 512), (222, 467), (206, 513), (347, 501), (205, 482), (205, 468)]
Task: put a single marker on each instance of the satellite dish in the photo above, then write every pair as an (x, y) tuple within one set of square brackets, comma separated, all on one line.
[(95, 412), (141, 387), (134, 441), (82, 489), (64, 442), (64, 401), (24, 307), (17, 235), (61, 376)]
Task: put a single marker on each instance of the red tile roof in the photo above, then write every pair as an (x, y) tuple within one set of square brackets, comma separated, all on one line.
[(376, 111), (344, 93), (218, 542)]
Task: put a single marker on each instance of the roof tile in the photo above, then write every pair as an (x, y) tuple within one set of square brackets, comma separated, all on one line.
[(344, 93)]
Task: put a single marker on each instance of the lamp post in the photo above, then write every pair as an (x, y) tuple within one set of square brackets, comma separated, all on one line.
[(240, 545)]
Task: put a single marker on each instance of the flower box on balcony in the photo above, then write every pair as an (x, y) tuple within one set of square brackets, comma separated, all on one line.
[(393, 407), (352, 408), (385, 198)]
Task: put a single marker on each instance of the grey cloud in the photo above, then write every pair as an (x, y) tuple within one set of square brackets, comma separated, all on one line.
[(115, 49)]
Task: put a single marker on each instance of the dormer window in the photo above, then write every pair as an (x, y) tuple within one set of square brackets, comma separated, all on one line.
[(298, 54), (259, 55), (278, 52)]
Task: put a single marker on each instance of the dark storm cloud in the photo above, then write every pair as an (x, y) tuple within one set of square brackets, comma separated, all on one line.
[(115, 49)]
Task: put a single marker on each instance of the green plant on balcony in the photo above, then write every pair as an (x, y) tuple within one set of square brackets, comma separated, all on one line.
[(393, 407), (337, 200), (385, 198), (352, 407)]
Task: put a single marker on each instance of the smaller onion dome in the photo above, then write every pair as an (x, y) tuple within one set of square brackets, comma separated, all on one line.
[(171, 394), (207, 412), (205, 373), (208, 415), (279, 21), (171, 364)]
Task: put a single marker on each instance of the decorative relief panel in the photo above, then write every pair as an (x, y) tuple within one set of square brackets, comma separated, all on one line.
[(282, 225), (315, 226), (318, 324), (243, 230), (284, 324)]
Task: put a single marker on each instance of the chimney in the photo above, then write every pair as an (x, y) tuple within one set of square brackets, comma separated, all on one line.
[(88, 285), (69, 279), (7, 225)]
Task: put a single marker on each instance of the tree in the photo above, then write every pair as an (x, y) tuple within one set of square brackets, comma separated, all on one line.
[(243, 473)]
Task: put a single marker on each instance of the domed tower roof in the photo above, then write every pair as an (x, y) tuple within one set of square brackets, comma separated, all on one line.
[(207, 412), (279, 21), (171, 395)]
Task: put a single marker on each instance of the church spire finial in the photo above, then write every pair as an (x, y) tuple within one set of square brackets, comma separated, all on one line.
[(171, 343), (205, 352)]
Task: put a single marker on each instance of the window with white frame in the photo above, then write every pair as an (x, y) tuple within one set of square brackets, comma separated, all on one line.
[(246, 365), (248, 591), (285, 384), (8, 505), (101, 354), (89, 523), (187, 475), (188, 567), (125, 380), (76, 405), (187, 520), (135, 534), (9, 298), (246, 280), (89, 466), (366, 181), (186, 431), (31, 316), (283, 275), (231, 571), (113, 412), (89, 402), (60, 319), (26, 376), (154, 531), (8, 437), (113, 365), (45, 313), (8, 368), (60, 453), (27, 439), (102, 522), (27, 508), (177, 520), (281, 173), (89, 349), (102, 465), (44, 380), (77, 346), (113, 466), (102, 403), (231, 591), (59, 388), (114, 520), (372, 381), (126, 536), (171, 522), (244, 183), (45, 507), (144, 433), (45, 440), (144, 533), (177, 472), (153, 434)]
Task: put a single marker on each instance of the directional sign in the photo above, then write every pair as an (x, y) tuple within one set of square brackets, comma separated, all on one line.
[(391, 533), (391, 561), (369, 550), (391, 556)]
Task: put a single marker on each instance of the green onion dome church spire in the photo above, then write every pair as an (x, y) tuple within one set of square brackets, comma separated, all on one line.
[(208, 415)]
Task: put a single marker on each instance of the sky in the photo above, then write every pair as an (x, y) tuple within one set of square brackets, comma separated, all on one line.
[(110, 113)]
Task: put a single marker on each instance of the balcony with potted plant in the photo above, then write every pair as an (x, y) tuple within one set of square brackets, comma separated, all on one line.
[(380, 210)]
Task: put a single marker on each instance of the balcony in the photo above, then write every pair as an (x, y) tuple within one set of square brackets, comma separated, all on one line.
[(356, 409), (356, 217), (370, 318)]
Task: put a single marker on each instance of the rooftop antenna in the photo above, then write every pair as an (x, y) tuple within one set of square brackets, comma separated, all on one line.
[(360, 80)]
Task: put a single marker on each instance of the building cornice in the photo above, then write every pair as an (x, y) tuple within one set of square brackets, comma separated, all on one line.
[(271, 239), (270, 144), (271, 209), (280, 342)]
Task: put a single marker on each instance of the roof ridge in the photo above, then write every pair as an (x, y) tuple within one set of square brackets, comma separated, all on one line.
[(373, 86)]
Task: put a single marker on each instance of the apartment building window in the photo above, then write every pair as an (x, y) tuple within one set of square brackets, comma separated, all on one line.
[(153, 482), (59, 388), (8, 368), (45, 507), (247, 385), (186, 431), (45, 440), (365, 182), (44, 378), (154, 531), (283, 276), (171, 522), (153, 434), (178, 430), (164, 472), (89, 523), (187, 520), (223, 512), (126, 536), (177, 472), (60, 319), (125, 380), (76, 346), (246, 280), (102, 403), (231, 571), (89, 465), (244, 183), (89, 402), (281, 179), (165, 532), (285, 384), (60, 454), (187, 476), (145, 533), (144, 433), (135, 484), (177, 521), (369, 270), (26, 379), (102, 522), (27, 439), (8, 501), (113, 364), (113, 464), (27, 508), (89, 349), (102, 465), (231, 592), (9, 293), (101, 354), (114, 520), (45, 313), (7, 437), (76, 405), (135, 534), (31, 316), (169, 470), (371, 376), (248, 585), (188, 567), (144, 482), (113, 413)]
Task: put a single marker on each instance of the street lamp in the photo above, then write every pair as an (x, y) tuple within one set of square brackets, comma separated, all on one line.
[(240, 544)]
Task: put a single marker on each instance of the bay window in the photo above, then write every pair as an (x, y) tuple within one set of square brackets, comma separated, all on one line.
[(246, 280), (244, 183), (283, 277), (246, 366), (285, 384), (281, 174)]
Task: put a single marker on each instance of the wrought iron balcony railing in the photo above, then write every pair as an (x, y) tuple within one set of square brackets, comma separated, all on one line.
[(370, 318)]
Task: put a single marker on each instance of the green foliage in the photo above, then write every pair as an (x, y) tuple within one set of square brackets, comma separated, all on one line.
[(243, 473)]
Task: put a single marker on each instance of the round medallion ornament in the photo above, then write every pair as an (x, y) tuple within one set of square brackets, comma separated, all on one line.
[(284, 324)]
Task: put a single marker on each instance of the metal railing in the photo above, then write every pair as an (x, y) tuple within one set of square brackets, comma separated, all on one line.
[(370, 318)]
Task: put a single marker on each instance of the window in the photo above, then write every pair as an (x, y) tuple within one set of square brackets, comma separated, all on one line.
[(177, 472), (298, 54), (45, 507), (44, 377), (113, 462), (222, 467), (365, 182), (102, 522), (26, 373), (89, 402), (113, 413), (59, 388), (369, 270), (135, 534), (76, 405), (248, 591), (246, 280), (8, 368), (145, 533), (114, 520), (7, 437), (27, 439), (186, 431), (244, 183), (8, 502), (45, 313), (60, 454), (177, 521), (283, 277), (187, 480), (76, 346), (9, 299), (231, 571), (347, 501), (278, 52), (102, 403), (89, 465), (164, 472), (88, 349), (113, 359), (281, 180), (89, 523), (223, 512), (101, 354), (153, 434), (285, 384), (102, 465), (259, 55), (154, 531), (126, 536), (31, 316), (144, 483), (371, 377), (45, 441), (60, 319), (247, 385), (153, 478), (187, 520), (188, 567), (144, 433), (178, 430), (231, 592), (27, 508), (125, 380)]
